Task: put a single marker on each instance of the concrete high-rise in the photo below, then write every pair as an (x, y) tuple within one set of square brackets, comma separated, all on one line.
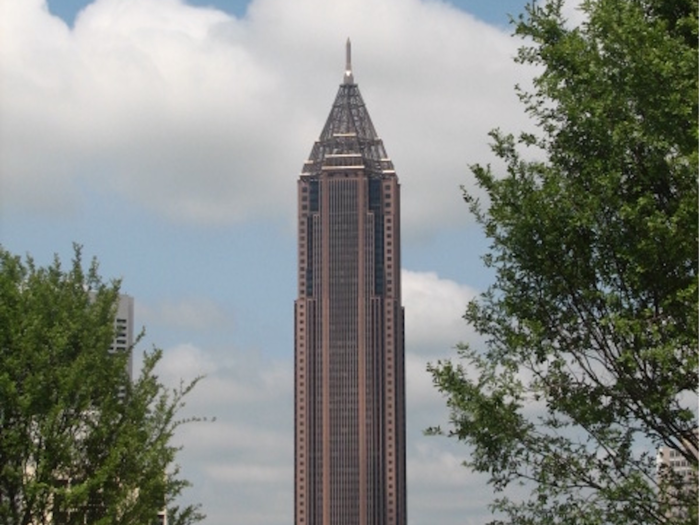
[(124, 329), (349, 407)]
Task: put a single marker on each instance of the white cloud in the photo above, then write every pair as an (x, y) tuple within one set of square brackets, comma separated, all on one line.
[(184, 361), (440, 488), (435, 466), (434, 312), (240, 464), (245, 457), (573, 13), (421, 394), (204, 117), (235, 378)]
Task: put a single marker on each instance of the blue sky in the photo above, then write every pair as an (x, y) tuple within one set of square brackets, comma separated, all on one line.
[(494, 12), (167, 138)]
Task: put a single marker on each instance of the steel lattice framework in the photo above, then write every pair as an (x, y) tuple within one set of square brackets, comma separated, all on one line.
[(349, 132)]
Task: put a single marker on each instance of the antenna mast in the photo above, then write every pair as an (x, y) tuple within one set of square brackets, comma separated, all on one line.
[(348, 63)]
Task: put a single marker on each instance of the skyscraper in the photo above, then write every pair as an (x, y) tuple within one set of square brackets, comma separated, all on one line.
[(350, 465), (124, 329)]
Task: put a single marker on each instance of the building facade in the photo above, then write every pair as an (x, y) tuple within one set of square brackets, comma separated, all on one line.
[(124, 330), (349, 327), (677, 477), (59, 511)]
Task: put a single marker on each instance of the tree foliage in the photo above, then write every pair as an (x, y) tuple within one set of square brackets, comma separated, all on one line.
[(80, 442), (590, 329)]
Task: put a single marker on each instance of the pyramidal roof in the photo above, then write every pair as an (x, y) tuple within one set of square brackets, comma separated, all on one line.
[(348, 137)]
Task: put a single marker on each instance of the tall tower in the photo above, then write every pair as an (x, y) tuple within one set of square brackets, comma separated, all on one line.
[(349, 407), (124, 330)]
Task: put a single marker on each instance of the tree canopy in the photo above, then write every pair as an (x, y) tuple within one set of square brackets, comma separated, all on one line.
[(589, 360), (80, 441)]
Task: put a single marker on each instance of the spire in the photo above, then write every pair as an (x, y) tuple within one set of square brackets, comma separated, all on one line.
[(348, 63), (348, 132)]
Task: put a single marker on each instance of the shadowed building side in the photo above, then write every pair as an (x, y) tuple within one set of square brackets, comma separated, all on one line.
[(349, 336)]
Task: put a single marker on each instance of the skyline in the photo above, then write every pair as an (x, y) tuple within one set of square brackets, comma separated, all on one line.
[(149, 132)]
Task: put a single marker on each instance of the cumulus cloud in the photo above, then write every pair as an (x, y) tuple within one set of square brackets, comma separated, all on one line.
[(434, 312), (203, 117), (573, 13), (434, 308), (245, 457), (421, 395), (241, 463), (186, 362)]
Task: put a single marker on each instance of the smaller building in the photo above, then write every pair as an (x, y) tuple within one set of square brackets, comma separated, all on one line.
[(124, 329), (123, 342), (677, 473)]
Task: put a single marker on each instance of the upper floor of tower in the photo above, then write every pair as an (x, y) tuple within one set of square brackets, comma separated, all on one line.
[(349, 138)]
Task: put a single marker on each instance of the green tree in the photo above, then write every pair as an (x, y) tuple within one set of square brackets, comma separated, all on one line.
[(80, 442), (590, 328)]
